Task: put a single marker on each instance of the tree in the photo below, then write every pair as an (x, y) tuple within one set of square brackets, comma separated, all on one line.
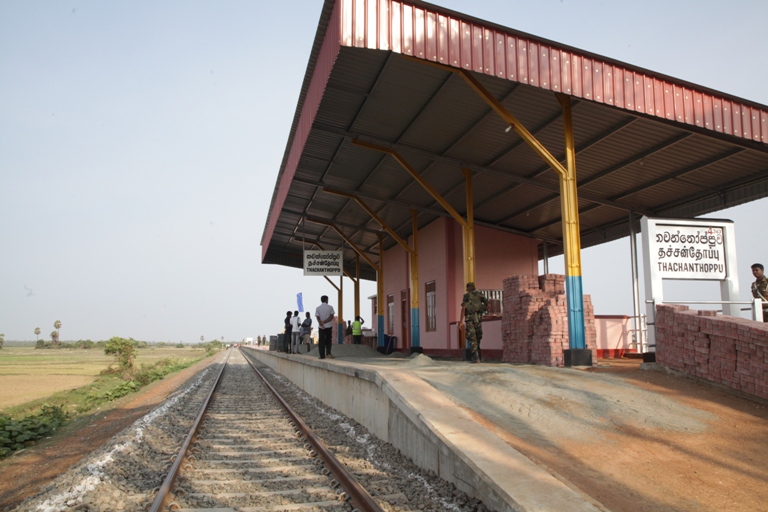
[(37, 333), (57, 326), (2, 340), (124, 350), (55, 337), (202, 339)]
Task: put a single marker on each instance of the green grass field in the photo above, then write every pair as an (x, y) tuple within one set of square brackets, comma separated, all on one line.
[(27, 374)]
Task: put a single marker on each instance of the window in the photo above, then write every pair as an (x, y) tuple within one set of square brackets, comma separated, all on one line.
[(495, 301), (391, 314), (431, 306)]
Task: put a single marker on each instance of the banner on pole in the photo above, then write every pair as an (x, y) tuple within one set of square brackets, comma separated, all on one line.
[(300, 302), (323, 263)]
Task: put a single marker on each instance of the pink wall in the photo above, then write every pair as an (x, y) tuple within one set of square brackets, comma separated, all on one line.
[(613, 335), (500, 255), (441, 260), (433, 260), (395, 280)]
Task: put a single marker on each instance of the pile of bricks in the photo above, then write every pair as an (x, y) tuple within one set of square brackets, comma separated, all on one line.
[(727, 350), (534, 325)]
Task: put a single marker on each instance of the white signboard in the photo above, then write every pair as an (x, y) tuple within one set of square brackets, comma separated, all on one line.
[(688, 252), (703, 249), (323, 263)]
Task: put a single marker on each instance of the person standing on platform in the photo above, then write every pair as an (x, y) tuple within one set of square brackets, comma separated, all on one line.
[(760, 287), (325, 315), (287, 332), (306, 330), (473, 305), (357, 330), (295, 335)]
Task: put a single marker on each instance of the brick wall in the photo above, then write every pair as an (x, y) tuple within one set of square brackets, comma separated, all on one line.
[(534, 326), (723, 349)]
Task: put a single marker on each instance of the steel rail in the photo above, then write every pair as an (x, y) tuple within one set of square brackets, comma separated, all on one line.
[(162, 494), (357, 494)]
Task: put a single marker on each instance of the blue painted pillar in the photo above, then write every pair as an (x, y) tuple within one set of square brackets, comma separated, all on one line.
[(415, 328), (380, 331), (575, 297)]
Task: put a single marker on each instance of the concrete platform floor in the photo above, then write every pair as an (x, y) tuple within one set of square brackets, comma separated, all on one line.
[(622, 437)]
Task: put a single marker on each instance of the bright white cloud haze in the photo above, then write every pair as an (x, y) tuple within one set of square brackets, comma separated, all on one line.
[(140, 142)]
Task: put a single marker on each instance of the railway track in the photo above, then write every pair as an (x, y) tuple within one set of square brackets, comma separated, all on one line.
[(246, 453)]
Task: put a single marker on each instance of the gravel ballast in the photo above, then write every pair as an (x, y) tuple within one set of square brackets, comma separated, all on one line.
[(125, 473)]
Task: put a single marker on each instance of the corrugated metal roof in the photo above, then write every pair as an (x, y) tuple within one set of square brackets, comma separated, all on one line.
[(646, 143), (434, 34)]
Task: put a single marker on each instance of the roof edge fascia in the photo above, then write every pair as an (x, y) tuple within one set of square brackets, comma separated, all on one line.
[(321, 38)]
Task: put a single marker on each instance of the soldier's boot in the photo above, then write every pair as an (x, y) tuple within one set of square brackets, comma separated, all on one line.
[(479, 354), (475, 358)]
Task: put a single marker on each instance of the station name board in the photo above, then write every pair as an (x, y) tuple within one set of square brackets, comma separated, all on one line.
[(323, 263), (688, 252)]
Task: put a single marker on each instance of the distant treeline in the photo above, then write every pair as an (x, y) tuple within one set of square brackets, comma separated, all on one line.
[(91, 344)]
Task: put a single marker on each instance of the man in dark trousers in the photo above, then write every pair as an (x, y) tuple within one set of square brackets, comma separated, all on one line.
[(357, 330), (325, 315), (287, 332), (473, 305)]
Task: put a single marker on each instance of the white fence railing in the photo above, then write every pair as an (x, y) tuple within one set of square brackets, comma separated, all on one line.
[(495, 301)]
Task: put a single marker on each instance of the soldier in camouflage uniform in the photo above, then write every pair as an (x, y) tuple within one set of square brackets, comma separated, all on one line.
[(473, 305), (760, 287)]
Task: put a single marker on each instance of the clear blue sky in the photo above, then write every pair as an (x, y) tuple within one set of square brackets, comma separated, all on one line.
[(140, 141)]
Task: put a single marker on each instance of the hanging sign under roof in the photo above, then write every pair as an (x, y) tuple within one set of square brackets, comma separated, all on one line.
[(323, 263)]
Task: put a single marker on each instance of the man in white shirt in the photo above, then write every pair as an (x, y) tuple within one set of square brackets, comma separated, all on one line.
[(295, 335), (325, 315)]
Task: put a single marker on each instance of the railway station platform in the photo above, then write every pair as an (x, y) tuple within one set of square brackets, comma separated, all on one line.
[(417, 405), (532, 438)]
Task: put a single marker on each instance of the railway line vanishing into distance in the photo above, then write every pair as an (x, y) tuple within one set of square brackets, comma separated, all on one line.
[(249, 451), (244, 451)]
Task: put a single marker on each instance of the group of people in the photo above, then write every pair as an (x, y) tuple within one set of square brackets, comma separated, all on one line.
[(355, 329), (298, 332)]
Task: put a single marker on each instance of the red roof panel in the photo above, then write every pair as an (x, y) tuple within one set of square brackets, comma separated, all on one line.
[(432, 33)]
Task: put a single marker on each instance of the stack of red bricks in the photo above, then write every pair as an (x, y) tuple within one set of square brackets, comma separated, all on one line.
[(521, 296), (727, 350), (535, 320)]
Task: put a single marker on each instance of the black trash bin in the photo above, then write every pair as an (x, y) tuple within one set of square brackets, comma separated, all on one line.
[(390, 344)]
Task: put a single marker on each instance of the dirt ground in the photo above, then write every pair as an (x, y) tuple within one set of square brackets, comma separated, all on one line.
[(28, 471), (19, 389), (632, 439), (648, 441)]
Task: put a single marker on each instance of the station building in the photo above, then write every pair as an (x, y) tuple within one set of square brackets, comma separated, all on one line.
[(433, 148)]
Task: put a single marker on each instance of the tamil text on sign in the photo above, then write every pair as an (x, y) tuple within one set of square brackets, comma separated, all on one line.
[(323, 263)]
